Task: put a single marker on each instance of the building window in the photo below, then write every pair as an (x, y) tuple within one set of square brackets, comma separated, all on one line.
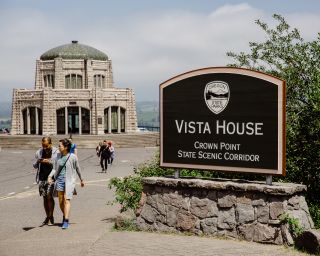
[(48, 81), (99, 81), (77, 118), (74, 81), (114, 119), (32, 120)]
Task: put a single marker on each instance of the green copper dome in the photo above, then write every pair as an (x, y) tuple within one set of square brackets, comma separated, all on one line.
[(74, 51)]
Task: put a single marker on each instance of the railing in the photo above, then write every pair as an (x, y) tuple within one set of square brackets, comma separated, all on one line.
[(149, 128)]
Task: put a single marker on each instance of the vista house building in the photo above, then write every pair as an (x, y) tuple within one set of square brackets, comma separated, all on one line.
[(73, 94)]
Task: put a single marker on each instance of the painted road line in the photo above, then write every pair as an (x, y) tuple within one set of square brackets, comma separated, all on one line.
[(34, 192), (16, 152), (26, 187), (124, 161), (94, 181)]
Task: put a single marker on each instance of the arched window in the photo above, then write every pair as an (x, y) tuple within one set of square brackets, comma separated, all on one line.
[(99, 81), (48, 81), (74, 81)]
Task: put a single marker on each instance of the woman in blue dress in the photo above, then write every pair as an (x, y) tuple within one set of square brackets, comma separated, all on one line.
[(66, 169)]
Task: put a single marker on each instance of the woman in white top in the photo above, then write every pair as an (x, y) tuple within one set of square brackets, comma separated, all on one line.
[(65, 171)]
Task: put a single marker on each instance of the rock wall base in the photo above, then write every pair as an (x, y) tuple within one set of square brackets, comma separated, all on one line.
[(236, 209)]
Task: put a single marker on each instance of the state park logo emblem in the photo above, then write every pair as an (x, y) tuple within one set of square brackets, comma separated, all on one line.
[(216, 95)]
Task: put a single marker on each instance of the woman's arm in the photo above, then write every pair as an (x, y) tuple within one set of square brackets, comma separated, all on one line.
[(36, 162), (77, 166)]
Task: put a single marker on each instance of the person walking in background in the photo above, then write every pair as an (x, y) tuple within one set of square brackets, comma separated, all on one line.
[(45, 158), (104, 156), (73, 148), (111, 152), (98, 149), (66, 168)]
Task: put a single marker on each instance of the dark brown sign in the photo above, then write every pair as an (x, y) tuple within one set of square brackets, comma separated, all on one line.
[(227, 119)]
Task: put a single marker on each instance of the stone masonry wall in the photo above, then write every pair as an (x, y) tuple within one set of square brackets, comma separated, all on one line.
[(241, 210)]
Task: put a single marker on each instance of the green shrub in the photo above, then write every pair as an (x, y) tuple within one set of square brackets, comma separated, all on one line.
[(315, 214), (126, 225), (127, 191), (285, 54), (294, 226)]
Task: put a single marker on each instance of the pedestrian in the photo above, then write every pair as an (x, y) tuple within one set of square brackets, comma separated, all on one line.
[(73, 149), (45, 157), (98, 148), (111, 152), (66, 167), (104, 156)]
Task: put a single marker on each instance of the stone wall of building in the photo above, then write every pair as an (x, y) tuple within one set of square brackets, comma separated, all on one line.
[(50, 94), (242, 210), (50, 100)]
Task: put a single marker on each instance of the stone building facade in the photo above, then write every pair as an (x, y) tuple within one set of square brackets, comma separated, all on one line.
[(73, 94)]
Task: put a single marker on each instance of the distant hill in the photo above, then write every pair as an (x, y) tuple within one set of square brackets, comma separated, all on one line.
[(148, 113), (5, 109)]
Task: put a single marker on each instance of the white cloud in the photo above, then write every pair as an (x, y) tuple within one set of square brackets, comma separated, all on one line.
[(146, 49)]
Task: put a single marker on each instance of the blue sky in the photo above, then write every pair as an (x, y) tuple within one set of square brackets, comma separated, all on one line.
[(148, 41)]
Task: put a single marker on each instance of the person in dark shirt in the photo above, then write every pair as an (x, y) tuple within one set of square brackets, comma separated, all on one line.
[(43, 163), (104, 154)]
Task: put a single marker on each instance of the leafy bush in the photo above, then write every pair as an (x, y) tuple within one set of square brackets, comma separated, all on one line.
[(128, 191), (286, 55), (294, 226), (315, 213)]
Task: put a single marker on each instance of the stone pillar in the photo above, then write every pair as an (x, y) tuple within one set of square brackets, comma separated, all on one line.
[(66, 120), (28, 120), (37, 120), (16, 115), (89, 74), (109, 120), (80, 121), (119, 119), (59, 80), (38, 81)]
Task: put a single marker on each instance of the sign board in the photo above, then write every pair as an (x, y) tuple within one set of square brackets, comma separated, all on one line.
[(227, 119)]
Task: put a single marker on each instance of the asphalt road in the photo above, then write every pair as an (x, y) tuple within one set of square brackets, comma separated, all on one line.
[(90, 233), (20, 205)]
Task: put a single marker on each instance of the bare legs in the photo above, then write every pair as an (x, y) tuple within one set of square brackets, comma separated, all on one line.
[(64, 204), (48, 204)]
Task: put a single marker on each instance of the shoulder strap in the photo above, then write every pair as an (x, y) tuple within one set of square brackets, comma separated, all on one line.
[(63, 165)]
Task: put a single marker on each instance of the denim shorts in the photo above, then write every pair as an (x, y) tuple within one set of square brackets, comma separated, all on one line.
[(60, 183)]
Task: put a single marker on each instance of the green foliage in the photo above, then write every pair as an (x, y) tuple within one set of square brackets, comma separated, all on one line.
[(286, 55), (126, 225), (153, 169), (294, 225), (314, 210), (128, 191)]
